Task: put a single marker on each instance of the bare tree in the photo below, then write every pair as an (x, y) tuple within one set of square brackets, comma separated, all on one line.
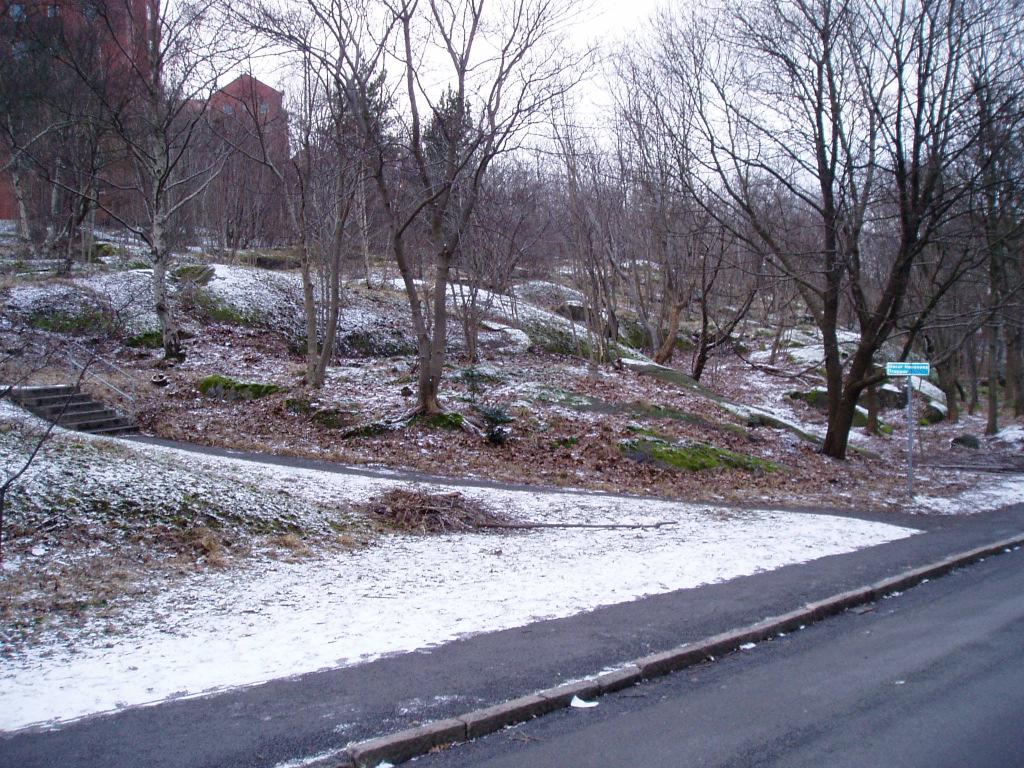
[(503, 67), (154, 101), (857, 114)]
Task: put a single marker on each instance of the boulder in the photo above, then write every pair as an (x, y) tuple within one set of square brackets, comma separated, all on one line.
[(817, 398), (972, 442), (891, 396), (226, 388), (933, 414)]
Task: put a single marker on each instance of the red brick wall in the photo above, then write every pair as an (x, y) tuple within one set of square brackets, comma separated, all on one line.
[(130, 20)]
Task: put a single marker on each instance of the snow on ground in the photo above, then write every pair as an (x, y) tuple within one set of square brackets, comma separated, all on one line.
[(129, 294), (226, 629), (982, 498), (1012, 435), (274, 298), (548, 295)]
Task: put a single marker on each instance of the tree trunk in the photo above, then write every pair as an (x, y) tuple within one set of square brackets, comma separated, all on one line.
[(432, 352), (24, 224), (840, 422), (780, 332), (700, 355), (972, 371), (364, 233), (471, 327), (1015, 367), (309, 312), (88, 231), (842, 398), (168, 327), (668, 344), (948, 384), (840, 412), (333, 308), (992, 423), (872, 405), (700, 359)]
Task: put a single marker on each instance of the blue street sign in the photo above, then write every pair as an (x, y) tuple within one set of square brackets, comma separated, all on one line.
[(908, 369)]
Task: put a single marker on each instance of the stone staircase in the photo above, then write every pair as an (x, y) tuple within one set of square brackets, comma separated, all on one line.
[(68, 407)]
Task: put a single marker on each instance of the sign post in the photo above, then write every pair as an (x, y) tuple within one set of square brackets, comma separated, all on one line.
[(910, 370)]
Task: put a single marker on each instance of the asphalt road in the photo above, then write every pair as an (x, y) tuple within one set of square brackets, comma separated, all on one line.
[(932, 678)]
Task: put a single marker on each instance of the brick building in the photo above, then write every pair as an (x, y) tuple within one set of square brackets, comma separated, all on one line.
[(246, 203), (118, 34)]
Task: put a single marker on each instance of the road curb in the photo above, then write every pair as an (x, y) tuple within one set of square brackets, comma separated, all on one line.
[(409, 743)]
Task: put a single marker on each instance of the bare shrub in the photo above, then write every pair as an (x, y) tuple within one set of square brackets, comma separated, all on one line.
[(418, 512)]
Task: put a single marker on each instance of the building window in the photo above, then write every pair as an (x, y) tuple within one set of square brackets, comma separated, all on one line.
[(17, 11), (19, 50), (264, 108), (228, 109), (90, 11), (53, 11)]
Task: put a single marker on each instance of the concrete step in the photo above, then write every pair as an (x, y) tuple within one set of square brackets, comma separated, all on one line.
[(86, 417), (46, 401), (42, 391), (100, 425), (127, 428), (67, 406)]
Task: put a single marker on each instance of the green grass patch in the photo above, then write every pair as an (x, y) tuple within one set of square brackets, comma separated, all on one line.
[(101, 251), (298, 405), (85, 322), (209, 308), (271, 258), (333, 418), (478, 375), (565, 442), (692, 457), (146, 340)]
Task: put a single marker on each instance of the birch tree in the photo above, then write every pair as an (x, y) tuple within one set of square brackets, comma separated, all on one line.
[(154, 102)]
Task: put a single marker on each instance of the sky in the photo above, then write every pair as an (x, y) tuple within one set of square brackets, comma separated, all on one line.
[(601, 22)]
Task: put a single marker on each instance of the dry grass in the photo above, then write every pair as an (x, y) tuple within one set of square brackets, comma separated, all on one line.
[(424, 513), (290, 544)]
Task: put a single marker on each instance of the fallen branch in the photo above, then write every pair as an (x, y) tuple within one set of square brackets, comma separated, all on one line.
[(608, 526)]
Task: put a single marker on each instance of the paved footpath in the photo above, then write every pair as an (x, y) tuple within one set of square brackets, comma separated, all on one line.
[(283, 720)]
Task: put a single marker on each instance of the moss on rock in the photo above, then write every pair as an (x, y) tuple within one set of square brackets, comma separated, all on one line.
[(816, 398), (442, 420), (373, 429), (230, 389), (333, 418), (197, 274), (691, 457)]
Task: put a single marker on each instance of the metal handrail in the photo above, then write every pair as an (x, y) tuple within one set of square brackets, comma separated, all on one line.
[(105, 361), (94, 376)]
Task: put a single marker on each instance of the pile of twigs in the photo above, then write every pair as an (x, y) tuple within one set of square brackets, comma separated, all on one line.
[(418, 512)]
